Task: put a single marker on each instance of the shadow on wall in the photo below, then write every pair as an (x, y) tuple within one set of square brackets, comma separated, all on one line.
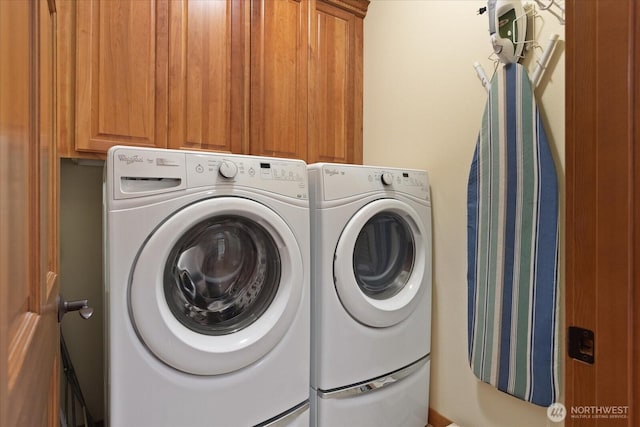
[(81, 274)]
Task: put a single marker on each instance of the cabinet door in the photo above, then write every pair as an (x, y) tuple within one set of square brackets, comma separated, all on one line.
[(208, 72), (121, 81), (279, 44), (335, 107)]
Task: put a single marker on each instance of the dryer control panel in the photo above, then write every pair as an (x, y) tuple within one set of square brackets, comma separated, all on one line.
[(139, 172), (343, 181)]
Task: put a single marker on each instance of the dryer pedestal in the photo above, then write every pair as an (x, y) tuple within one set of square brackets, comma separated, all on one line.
[(404, 403)]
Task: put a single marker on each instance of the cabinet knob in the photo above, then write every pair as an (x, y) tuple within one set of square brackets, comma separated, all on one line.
[(81, 306)]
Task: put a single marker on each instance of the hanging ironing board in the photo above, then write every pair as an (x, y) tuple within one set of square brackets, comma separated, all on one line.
[(513, 246)]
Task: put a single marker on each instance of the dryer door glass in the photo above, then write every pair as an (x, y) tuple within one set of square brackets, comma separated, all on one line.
[(383, 256), (222, 275)]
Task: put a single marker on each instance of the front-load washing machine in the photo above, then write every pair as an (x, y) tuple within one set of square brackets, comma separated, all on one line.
[(371, 295), (207, 289)]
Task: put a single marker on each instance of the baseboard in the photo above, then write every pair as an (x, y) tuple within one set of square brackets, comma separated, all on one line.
[(438, 420)]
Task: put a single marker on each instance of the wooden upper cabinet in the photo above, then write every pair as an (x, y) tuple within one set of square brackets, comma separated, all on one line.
[(121, 74), (276, 78), (157, 73), (279, 64), (207, 74), (335, 84)]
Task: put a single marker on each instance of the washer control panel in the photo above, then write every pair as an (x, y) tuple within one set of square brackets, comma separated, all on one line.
[(270, 174), (139, 172)]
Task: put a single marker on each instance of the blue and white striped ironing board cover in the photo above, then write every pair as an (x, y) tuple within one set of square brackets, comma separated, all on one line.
[(513, 246)]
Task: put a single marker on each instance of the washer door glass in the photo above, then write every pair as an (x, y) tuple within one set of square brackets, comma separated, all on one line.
[(382, 263), (217, 285), (222, 275), (383, 256)]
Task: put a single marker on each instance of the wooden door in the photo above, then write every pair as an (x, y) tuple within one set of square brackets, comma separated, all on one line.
[(121, 73), (335, 104), (603, 209), (208, 74), (279, 62), (29, 361)]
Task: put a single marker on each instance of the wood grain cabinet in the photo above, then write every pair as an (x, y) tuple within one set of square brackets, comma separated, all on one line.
[(335, 84), (267, 77), (121, 74), (155, 73), (279, 78), (208, 71)]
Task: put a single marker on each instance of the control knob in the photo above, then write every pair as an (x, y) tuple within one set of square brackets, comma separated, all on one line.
[(387, 178), (228, 169)]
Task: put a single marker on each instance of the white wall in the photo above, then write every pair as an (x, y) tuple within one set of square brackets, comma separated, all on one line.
[(422, 109)]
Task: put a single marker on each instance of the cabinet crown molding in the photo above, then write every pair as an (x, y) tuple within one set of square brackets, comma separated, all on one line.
[(357, 7)]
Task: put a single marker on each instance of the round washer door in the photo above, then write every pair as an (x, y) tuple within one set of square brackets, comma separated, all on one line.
[(380, 263), (216, 286)]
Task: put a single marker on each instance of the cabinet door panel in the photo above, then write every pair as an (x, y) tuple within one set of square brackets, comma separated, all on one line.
[(335, 124), (121, 82), (279, 43), (207, 74)]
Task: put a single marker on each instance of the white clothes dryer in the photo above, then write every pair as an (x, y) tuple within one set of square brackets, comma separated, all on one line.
[(371, 295), (206, 289)]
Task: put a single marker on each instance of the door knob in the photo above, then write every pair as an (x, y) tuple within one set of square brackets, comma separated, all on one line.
[(81, 306)]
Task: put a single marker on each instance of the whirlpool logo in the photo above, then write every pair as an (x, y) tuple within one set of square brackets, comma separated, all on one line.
[(130, 159), (331, 172)]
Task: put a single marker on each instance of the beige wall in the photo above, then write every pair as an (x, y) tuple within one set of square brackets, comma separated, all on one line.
[(81, 275), (422, 108)]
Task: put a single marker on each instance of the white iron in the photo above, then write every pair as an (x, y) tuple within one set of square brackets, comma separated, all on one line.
[(508, 28)]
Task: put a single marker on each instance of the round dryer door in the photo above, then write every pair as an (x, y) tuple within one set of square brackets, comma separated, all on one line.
[(216, 286), (380, 263)]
